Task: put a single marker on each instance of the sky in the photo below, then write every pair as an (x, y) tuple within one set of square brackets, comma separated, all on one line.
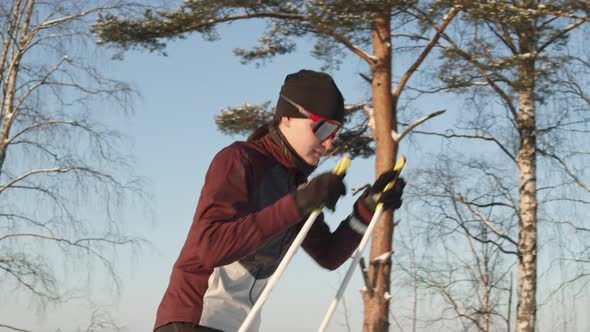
[(175, 140), (173, 137)]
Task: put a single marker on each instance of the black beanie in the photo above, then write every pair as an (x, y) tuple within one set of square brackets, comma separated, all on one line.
[(314, 91)]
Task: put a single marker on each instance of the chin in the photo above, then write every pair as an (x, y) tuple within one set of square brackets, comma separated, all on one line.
[(313, 161)]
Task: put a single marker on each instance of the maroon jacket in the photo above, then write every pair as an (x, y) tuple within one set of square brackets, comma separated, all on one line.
[(246, 218)]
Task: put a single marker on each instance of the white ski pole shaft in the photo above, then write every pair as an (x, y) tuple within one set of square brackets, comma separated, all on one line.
[(356, 258), (358, 254), (340, 169)]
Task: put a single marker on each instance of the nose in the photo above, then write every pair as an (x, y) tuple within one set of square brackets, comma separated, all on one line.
[(327, 143)]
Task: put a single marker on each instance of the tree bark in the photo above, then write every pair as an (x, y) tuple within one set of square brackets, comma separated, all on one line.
[(485, 306), (527, 242), (526, 161), (377, 306), (13, 47)]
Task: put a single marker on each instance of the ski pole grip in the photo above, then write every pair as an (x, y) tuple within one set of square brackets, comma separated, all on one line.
[(340, 168), (342, 165), (399, 165)]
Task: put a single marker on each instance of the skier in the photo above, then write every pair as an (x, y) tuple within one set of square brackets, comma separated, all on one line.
[(254, 201)]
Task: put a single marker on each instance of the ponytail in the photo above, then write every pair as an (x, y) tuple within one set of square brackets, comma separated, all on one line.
[(263, 130)]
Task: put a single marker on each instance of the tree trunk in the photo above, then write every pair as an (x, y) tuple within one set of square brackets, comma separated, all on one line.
[(527, 241), (377, 306), (485, 306), (12, 49), (8, 110)]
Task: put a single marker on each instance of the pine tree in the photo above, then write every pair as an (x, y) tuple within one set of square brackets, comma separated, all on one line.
[(339, 27)]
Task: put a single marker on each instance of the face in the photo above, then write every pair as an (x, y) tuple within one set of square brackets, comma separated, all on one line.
[(299, 133)]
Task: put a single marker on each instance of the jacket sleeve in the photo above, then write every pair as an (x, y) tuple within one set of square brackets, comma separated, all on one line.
[(225, 229), (328, 249)]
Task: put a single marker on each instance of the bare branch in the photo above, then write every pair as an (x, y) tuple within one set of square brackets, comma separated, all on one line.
[(31, 270), (42, 124), (52, 170), (507, 99), (38, 84), (504, 37), (397, 138), (439, 31), (14, 328), (560, 34), (564, 285), (482, 137), (77, 242), (102, 321), (484, 220), (364, 270), (370, 59), (27, 219), (39, 146), (574, 226), (566, 169)]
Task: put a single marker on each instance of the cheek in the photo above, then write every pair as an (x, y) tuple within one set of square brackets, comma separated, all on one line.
[(306, 135), (312, 141)]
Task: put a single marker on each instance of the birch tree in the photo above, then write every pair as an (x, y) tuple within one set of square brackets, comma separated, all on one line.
[(63, 175), (520, 66), (464, 222), (361, 28)]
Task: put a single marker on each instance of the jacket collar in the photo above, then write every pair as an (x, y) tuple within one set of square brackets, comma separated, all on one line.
[(282, 151)]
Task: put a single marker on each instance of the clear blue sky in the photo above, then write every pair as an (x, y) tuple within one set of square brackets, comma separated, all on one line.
[(174, 138)]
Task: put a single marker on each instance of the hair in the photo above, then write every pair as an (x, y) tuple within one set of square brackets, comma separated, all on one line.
[(264, 129)]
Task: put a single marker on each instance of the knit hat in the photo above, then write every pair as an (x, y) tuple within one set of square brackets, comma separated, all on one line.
[(314, 91)]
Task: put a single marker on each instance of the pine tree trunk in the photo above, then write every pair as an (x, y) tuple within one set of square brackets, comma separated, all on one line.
[(527, 241), (377, 306)]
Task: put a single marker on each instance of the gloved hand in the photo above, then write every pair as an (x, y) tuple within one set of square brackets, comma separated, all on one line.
[(391, 198), (325, 188)]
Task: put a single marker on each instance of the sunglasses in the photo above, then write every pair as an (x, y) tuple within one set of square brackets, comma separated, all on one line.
[(323, 128)]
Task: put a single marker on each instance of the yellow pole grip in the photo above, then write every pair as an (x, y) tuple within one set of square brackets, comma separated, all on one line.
[(399, 165), (342, 165)]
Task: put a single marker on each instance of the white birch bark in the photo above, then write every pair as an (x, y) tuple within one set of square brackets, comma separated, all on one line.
[(527, 242)]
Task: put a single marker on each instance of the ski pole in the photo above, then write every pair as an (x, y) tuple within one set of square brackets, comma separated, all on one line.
[(340, 168), (359, 251)]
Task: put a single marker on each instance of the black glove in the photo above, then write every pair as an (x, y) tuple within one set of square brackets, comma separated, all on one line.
[(391, 198), (323, 189)]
